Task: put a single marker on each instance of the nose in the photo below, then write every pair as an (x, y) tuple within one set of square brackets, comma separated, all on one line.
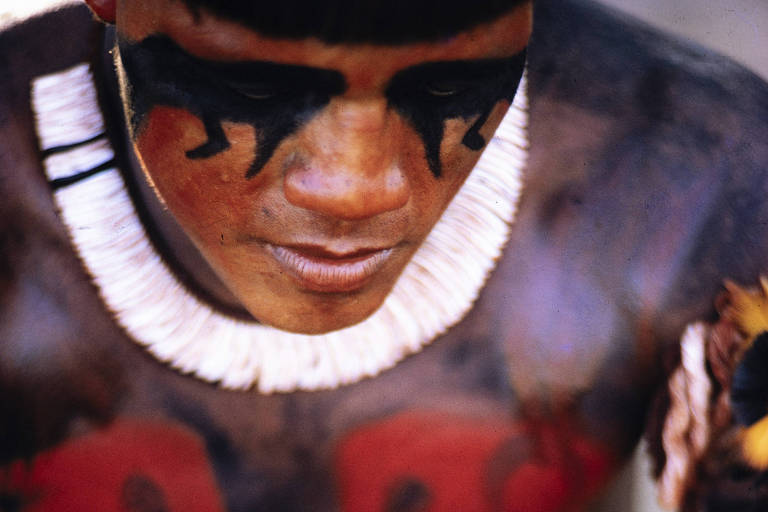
[(348, 165)]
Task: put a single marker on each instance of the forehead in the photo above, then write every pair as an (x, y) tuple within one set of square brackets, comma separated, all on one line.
[(209, 36)]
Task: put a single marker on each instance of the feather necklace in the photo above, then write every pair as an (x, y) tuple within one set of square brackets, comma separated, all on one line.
[(434, 292)]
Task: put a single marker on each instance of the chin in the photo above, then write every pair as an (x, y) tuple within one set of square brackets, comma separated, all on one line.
[(320, 313), (318, 323)]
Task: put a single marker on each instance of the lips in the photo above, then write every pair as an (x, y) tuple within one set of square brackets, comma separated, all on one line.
[(320, 270)]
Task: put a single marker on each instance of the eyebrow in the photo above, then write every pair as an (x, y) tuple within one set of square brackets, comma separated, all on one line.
[(285, 76), (288, 76), (466, 70)]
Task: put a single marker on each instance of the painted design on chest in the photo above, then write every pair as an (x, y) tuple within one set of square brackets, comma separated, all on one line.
[(278, 99), (427, 460), (131, 465)]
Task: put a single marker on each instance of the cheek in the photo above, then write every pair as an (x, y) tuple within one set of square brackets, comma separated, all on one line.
[(458, 160), (207, 196)]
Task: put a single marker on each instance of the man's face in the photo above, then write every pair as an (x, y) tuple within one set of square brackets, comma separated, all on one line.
[(308, 174)]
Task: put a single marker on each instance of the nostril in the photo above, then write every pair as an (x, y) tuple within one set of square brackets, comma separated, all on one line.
[(344, 194)]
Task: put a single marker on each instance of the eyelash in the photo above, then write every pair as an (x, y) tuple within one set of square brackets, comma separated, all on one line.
[(448, 88), (451, 88), (442, 90), (255, 93), (258, 97), (445, 89)]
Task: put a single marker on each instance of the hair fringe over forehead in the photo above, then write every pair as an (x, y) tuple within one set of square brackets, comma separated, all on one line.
[(358, 21)]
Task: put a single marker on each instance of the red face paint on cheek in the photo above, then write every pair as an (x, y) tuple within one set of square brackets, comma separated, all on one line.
[(205, 195)]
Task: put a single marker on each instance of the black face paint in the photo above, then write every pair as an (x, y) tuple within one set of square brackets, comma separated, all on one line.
[(429, 94), (275, 99)]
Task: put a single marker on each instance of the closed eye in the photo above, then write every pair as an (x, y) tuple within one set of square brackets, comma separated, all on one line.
[(256, 91), (443, 89)]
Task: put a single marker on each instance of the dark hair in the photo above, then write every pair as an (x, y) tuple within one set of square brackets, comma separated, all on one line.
[(358, 21)]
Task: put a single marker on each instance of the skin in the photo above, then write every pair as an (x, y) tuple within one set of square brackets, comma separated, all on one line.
[(349, 186)]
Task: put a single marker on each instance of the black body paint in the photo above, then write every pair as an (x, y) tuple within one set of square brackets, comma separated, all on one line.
[(58, 183), (408, 495), (429, 94), (66, 147), (246, 487), (142, 494), (275, 98), (10, 502)]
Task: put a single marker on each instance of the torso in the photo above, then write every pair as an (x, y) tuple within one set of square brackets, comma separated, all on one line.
[(629, 222)]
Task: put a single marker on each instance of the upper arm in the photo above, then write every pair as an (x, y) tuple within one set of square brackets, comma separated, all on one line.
[(648, 165)]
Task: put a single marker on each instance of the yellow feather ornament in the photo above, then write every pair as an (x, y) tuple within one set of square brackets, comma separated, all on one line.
[(748, 310), (755, 444)]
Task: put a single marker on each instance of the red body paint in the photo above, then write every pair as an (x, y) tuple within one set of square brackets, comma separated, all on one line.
[(467, 464), (118, 469)]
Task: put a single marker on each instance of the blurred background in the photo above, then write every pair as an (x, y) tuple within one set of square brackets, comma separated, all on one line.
[(737, 28)]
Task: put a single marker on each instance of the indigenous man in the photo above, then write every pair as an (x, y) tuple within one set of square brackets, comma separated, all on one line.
[(333, 256)]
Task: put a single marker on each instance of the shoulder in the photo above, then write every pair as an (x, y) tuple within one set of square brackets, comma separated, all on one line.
[(54, 364), (644, 190), (28, 50), (679, 106), (36, 47), (653, 152), (30, 232)]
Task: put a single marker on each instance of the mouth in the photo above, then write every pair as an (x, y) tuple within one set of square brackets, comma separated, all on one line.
[(319, 270)]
